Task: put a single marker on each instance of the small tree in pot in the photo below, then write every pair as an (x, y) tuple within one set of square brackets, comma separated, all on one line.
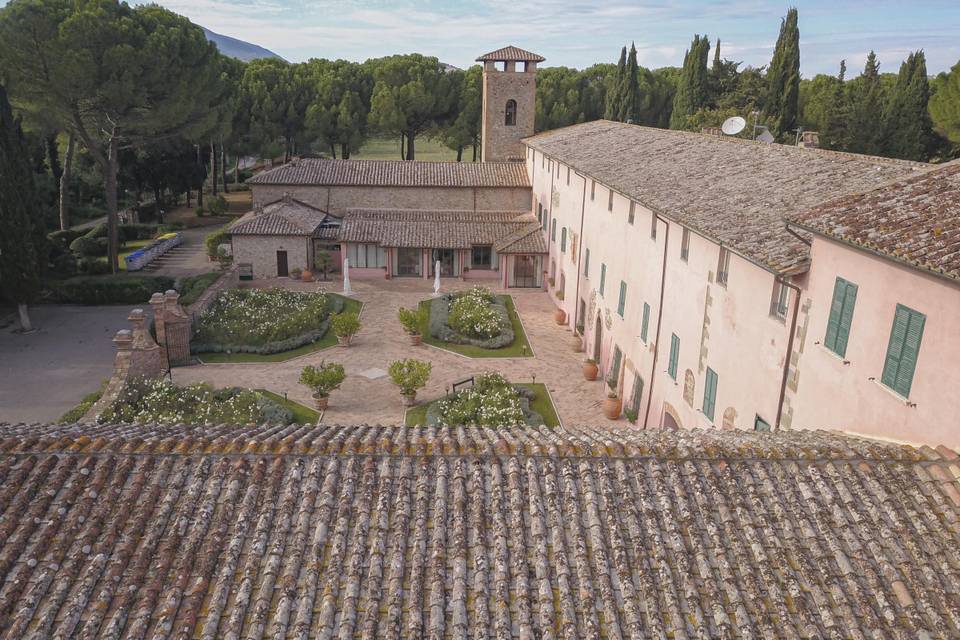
[(590, 369), (612, 405), (322, 262), (322, 380), (345, 326), (412, 320), (409, 374)]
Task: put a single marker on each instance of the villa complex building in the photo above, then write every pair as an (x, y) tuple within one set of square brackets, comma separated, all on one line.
[(671, 255)]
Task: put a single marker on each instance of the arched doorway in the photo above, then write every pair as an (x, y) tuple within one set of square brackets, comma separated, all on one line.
[(597, 340)]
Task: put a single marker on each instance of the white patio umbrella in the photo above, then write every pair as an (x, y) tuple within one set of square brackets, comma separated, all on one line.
[(346, 277), (436, 279)]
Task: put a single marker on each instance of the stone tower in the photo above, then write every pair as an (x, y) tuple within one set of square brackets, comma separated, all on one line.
[(509, 102)]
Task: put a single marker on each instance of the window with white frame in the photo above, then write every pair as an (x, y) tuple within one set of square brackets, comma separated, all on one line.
[(366, 256), (780, 300)]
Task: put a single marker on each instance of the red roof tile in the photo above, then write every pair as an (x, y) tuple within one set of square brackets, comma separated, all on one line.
[(395, 173)]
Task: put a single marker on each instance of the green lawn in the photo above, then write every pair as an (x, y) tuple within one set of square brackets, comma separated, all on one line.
[(301, 414), (520, 348), (192, 287), (417, 416), (425, 148), (73, 415), (328, 340)]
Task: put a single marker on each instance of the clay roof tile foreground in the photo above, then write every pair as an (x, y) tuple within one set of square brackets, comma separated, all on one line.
[(127, 531), (915, 220), (394, 173), (735, 192)]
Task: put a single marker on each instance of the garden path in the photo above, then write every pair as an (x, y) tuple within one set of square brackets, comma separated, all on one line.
[(361, 400)]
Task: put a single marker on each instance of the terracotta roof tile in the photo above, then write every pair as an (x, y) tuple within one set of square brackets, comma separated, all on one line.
[(395, 173), (526, 239), (319, 531), (286, 217), (431, 229), (511, 53), (915, 220), (733, 191)]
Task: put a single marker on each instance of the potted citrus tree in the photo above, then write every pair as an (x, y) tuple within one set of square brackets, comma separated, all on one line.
[(409, 375), (345, 326), (612, 405), (590, 369), (412, 320), (322, 262), (322, 380)]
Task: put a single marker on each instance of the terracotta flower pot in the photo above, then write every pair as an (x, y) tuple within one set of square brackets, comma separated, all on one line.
[(577, 343), (560, 316), (321, 401), (344, 341), (306, 276), (409, 399), (415, 339), (590, 370), (612, 407)]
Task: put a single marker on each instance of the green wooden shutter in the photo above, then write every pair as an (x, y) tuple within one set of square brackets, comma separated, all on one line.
[(553, 230), (674, 355), (841, 316), (637, 393), (646, 322), (623, 298), (710, 394), (617, 357), (603, 276), (563, 239), (586, 263), (903, 349)]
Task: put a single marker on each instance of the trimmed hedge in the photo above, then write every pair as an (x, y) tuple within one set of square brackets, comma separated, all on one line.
[(439, 326), (192, 287), (110, 290)]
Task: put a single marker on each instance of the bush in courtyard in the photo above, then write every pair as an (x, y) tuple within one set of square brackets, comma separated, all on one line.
[(440, 327), (323, 379), (410, 375), (110, 289), (346, 324), (143, 400), (472, 314), (492, 402), (412, 319), (263, 321)]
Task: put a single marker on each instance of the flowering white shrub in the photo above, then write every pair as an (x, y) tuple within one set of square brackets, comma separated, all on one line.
[(261, 316), (161, 401), (473, 314), (491, 402)]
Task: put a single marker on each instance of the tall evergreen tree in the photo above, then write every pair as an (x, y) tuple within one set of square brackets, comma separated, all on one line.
[(615, 97), (863, 130), (630, 102), (836, 115), (945, 104), (907, 127), (693, 88), (22, 243), (783, 78)]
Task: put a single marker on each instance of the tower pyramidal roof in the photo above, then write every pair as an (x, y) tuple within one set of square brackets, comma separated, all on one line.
[(515, 54)]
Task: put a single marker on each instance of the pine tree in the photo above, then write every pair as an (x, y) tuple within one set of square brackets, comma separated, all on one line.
[(21, 234), (783, 78), (863, 122), (945, 104), (907, 127), (615, 96), (693, 89)]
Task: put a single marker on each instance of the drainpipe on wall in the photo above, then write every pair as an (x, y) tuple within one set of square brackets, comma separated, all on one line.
[(786, 360), (656, 338)]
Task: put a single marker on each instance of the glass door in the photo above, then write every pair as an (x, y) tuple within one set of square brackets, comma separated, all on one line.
[(408, 262), (446, 258), (525, 271)]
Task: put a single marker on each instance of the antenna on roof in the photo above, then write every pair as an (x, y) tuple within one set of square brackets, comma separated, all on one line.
[(760, 131), (733, 125)]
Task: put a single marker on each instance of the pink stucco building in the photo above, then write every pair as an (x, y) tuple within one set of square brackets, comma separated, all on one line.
[(669, 250)]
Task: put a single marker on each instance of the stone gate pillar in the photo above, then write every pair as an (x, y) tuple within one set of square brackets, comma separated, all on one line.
[(145, 360), (157, 303)]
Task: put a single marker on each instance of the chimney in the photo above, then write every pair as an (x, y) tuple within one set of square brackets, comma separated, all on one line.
[(712, 131), (809, 140)]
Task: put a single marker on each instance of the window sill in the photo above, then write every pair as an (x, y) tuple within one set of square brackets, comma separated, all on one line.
[(893, 394), (833, 354)]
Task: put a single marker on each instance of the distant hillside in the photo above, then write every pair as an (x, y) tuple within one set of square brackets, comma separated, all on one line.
[(238, 48)]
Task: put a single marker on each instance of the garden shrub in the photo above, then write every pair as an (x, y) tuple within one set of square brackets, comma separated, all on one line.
[(110, 289), (214, 240), (96, 266), (61, 239), (263, 321), (441, 329), (491, 402), (410, 374), (217, 206), (192, 287), (472, 314), (86, 246), (346, 324), (143, 400)]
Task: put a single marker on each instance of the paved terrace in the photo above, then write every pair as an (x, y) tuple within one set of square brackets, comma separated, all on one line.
[(381, 341)]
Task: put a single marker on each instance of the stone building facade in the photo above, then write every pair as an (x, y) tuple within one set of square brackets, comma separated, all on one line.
[(509, 103)]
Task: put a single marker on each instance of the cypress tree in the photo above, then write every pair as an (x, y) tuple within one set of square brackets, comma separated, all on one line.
[(783, 78), (833, 135), (693, 89), (630, 103), (21, 232), (863, 123), (907, 127), (615, 96)]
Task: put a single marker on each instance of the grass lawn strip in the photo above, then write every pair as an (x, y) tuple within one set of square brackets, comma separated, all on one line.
[(542, 403), (515, 350), (328, 340), (301, 414)]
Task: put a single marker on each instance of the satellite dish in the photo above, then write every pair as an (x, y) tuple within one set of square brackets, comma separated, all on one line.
[(766, 136), (733, 126)]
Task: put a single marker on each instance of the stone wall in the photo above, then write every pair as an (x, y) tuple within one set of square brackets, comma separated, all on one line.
[(500, 142), (261, 252), (336, 200), (138, 356), (228, 280)]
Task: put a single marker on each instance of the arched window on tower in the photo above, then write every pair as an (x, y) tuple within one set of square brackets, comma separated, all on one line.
[(510, 113)]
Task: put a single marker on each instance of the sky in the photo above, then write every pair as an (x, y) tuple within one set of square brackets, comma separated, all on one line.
[(579, 33)]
